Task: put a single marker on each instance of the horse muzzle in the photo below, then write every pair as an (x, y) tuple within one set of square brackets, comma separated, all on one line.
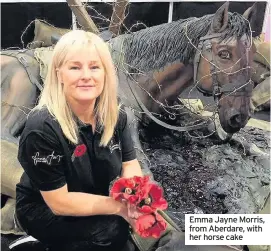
[(233, 120)]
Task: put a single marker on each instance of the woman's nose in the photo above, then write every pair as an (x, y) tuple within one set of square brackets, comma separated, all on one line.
[(86, 73)]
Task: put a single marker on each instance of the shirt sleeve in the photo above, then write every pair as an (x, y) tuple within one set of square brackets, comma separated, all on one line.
[(42, 158), (127, 144)]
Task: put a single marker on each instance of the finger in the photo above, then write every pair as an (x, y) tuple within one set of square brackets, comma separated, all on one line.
[(137, 213), (131, 211), (124, 201)]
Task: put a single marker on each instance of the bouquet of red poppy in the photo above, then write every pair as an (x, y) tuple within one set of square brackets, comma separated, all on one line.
[(147, 196)]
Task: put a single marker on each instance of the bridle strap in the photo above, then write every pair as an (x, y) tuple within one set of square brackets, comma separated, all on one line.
[(162, 123), (217, 90), (204, 41)]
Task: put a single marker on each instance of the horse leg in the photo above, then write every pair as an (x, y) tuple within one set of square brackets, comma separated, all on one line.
[(141, 156)]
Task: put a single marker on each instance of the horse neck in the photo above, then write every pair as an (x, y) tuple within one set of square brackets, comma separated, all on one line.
[(153, 48), (176, 81), (156, 62)]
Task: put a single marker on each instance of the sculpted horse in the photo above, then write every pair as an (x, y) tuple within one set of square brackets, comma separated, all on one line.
[(212, 53)]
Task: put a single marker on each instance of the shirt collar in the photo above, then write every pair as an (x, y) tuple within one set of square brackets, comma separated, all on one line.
[(81, 125)]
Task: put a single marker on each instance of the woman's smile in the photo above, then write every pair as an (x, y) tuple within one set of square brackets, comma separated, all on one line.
[(86, 87)]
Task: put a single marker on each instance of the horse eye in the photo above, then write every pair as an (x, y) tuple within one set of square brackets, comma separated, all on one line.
[(224, 54)]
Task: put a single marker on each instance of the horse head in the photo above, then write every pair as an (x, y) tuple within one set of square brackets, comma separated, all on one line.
[(222, 65)]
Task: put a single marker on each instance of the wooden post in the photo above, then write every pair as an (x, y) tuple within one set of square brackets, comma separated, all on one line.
[(118, 16), (74, 25), (170, 12), (82, 16)]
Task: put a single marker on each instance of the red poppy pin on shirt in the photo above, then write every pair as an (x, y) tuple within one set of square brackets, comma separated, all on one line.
[(79, 151)]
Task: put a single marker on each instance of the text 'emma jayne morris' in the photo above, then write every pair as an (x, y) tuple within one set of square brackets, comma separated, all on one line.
[(227, 220)]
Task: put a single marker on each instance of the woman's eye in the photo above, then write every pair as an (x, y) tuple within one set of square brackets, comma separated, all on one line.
[(224, 55), (74, 68), (94, 67)]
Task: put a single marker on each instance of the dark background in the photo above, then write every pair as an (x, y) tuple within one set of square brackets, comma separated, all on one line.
[(16, 16)]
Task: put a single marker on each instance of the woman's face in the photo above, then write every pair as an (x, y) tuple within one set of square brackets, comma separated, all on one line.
[(82, 75)]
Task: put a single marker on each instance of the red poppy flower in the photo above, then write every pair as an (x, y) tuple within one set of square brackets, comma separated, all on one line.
[(129, 189), (152, 198), (124, 189), (150, 225), (139, 191), (141, 181), (80, 150)]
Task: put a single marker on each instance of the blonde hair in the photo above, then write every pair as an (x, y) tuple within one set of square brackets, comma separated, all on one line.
[(53, 97)]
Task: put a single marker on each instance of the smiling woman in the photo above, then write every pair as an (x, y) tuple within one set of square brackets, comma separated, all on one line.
[(65, 150), (76, 141), (81, 72)]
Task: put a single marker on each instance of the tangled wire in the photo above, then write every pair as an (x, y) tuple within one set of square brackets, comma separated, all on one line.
[(183, 36)]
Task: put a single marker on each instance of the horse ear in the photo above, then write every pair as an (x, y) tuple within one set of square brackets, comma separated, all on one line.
[(220, 19), (250, 12), (250, 15)]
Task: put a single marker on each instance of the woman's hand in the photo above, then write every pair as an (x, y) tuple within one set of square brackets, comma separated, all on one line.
[(130, 213), (133, 213)]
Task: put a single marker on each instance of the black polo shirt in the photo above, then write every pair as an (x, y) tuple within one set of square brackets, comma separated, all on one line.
[(50, 160)]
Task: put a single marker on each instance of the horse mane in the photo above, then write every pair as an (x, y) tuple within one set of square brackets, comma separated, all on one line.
[(154, 47)]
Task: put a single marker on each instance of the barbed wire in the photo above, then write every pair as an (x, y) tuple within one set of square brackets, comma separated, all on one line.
[(198, 81), (171, 111), (20, 107)]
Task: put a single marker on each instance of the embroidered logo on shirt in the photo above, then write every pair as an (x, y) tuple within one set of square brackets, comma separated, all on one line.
[(49, 159), (79, 151), (113, 146)]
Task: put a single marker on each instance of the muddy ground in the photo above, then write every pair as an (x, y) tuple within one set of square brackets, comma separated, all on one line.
[(205, 176)]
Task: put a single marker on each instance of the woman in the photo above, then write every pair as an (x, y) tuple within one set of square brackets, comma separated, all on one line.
[(75, 142)]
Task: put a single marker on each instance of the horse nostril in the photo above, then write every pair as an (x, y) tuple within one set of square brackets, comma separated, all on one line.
[(235, 121)]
